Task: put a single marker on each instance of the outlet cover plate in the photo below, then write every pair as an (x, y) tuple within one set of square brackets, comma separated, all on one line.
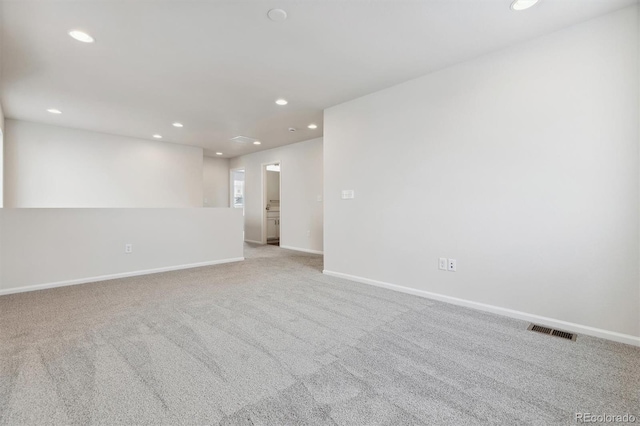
[(452, 265)]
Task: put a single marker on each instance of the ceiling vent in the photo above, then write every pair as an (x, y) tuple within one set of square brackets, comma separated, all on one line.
[(552, 332), (243, 139)]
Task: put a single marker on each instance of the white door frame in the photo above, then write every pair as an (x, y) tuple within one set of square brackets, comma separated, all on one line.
[(264, 198)]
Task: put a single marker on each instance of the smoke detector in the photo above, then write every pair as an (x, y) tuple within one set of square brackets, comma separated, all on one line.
[(292, 129), (518, 5), (277, 15)]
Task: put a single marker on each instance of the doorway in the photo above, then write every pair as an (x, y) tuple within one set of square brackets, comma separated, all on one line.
[(271, 178), (236, 192)]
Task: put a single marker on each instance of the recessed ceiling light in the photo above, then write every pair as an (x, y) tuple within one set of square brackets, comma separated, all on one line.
[(522, 4), (218, 153), (282, 101), (257, 143), (81, 36), (54, 111), (157, 136), (277, 15), (312, 126), (176, 124)]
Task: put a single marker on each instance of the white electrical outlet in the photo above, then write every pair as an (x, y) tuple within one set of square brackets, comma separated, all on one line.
[(128, 248), (442, 263), (452, 265)]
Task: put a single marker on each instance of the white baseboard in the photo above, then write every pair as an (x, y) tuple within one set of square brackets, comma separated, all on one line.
[(253, 241), (114, 276), (549, 322), (302, 249)]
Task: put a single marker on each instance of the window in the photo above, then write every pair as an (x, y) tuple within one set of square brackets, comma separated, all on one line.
[(238, 188)]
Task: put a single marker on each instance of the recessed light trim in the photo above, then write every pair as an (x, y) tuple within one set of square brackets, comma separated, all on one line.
[(312, 126), (281, 102), (176, 124), (54, 111), (156, 136), (81, 36), (257, 143), (218, 153), (519, 5)]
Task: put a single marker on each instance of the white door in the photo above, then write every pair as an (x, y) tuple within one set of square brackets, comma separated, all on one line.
[(272, 228)]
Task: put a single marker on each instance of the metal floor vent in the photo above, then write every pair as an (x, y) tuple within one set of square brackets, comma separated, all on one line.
[(552, 332)]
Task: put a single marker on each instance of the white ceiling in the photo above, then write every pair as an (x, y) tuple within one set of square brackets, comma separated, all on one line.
[(218, 66)]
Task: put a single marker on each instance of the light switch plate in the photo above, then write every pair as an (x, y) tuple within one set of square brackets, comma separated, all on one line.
[(442, 263), (348, 194)]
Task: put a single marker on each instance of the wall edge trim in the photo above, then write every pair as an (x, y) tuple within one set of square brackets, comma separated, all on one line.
[(550, 322), (65, 283), (302, 249)]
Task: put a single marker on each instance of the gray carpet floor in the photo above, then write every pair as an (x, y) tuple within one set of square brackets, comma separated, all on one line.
[(273, 341)]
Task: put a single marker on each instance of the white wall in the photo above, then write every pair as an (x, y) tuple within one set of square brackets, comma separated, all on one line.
[(1, 157), (48, 247), (638, 67), (523, 165), (215, 175), (49, 166), (1, 161), (1, 177), (301, 184)]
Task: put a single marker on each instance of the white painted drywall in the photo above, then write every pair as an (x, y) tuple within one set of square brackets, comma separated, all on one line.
[(44, 246), (1, 119), (215, 175), (301, 184), (523, 165), (1, 239), (1, 156), (1, 178), (50, 166), (1, 168)]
